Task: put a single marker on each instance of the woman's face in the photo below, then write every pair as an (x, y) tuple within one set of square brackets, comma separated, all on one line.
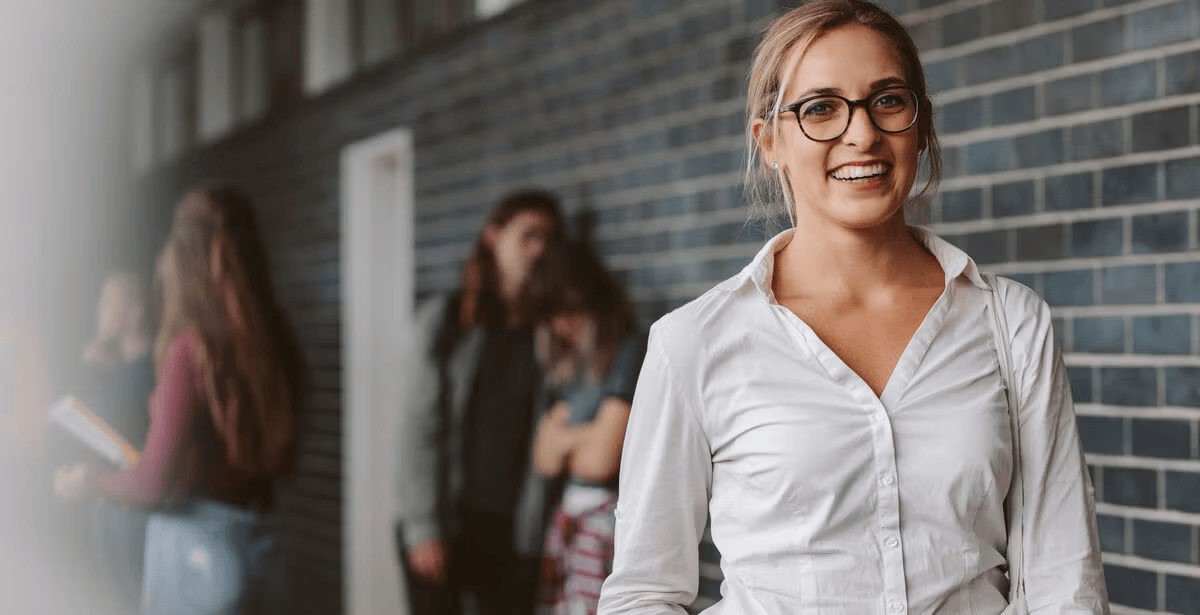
[(518, 244), (854, 62)]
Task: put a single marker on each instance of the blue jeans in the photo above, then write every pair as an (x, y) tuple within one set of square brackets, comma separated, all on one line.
[(210, 558)]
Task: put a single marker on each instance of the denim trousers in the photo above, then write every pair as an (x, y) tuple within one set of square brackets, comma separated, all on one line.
[(211, 558)]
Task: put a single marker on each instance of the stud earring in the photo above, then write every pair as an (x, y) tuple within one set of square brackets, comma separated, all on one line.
[(774, 165)]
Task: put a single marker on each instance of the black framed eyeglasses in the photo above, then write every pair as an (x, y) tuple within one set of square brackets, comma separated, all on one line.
[(827, 117)]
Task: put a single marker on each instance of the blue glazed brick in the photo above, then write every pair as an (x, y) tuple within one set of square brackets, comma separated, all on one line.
[(1129, 84), (1163, 541), (1015, 199), (1061, 288), (988, 247), (1070, 94), (1182, 282), (1129, 386), (1040, 53), (1130, 487), (941, 76), (1099, 39), (1182, 491), (1041, 242), (1183, 594), (1165, 129), (1081, 383), (1068, 192), (962, 115), (962, 26), (1112, 533), (1040, 149), (1182, 386), (990, 156), (962, 205), (1165, 439), (1182, 73), (1065, 8), (1132, 184), (1098, 237), (1133, 284), (1011, 15), (1166, 232), (1097, 140), (1102, 435), (1183, 178), (1162, 334), (991, 64), (1105, 335), (1162, 439), (1131, 587), (1160, 25), (1013, 106)]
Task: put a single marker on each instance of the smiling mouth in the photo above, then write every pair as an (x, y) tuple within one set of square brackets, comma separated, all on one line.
[(861, 173)]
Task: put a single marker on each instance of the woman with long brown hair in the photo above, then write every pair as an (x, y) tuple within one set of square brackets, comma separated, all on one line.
[(471, 508), (591, 350), (223, 417)]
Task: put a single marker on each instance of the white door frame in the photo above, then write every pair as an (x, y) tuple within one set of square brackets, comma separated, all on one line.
[(378, 270)]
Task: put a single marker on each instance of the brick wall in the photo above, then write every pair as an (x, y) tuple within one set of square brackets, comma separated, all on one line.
[(1072, 164)]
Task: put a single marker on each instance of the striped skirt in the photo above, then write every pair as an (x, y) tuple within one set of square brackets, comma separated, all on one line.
[(577, 559)]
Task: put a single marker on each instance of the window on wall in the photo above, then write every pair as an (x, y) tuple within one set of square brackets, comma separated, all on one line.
[(251, 61), (216, 116), (176, 105), (327, 51), (485, 9), (142, 122)]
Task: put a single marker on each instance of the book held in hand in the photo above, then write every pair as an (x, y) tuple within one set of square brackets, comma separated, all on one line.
[(76, 419)]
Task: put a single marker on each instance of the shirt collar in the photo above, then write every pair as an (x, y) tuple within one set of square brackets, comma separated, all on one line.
[(954, 262)]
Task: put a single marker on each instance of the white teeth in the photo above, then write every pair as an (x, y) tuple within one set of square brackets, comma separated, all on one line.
[(857, 172)]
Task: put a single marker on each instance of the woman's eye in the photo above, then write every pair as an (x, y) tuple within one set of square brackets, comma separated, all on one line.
[(819, 109), (889, 101)]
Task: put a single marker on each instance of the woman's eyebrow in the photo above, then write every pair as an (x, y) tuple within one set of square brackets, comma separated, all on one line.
[(825, 91)]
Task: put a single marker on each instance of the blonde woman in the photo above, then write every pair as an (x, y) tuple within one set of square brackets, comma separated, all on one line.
[(840, 407)]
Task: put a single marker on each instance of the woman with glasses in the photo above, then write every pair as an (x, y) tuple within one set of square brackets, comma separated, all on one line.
[(848, 411)]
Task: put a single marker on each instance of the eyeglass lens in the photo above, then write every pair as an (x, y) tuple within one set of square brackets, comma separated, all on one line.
[(828, 117)]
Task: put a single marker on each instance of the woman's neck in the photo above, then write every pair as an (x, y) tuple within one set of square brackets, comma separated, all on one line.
[(834, 261)]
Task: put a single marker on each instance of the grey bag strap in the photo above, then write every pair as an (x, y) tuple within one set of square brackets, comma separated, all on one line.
[(1016, 496)]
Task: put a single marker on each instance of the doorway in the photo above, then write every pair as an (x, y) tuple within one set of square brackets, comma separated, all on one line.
[(378, 269)]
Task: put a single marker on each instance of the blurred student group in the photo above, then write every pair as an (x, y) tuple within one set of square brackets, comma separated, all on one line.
[(388, 253)]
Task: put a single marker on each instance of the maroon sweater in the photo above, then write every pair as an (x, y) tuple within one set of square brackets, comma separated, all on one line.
[(182, 457)]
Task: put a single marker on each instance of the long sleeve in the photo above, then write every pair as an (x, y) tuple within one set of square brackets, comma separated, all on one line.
[(665, 479), (150, 481), (1063, 569), (419, 433)]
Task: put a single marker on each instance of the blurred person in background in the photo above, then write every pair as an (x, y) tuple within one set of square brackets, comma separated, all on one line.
[(591, 351), (472, 511), (843, 407), (223, 419), (119, 381)]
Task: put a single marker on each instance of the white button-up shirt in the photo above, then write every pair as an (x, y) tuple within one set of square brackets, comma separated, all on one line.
[(827, 499)]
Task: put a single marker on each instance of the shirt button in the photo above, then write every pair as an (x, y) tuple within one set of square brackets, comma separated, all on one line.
[(892, 542), (889, 480), (897, 607)]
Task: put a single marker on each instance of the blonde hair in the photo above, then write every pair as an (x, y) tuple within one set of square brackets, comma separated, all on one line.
[(784, 42)]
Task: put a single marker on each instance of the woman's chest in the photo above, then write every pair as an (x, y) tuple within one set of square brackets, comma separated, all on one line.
[(797, 427)]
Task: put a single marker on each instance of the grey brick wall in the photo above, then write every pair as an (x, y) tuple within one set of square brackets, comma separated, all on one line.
[(1072, 164)]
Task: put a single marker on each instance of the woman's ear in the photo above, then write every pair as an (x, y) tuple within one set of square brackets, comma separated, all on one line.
[(763, 137)]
